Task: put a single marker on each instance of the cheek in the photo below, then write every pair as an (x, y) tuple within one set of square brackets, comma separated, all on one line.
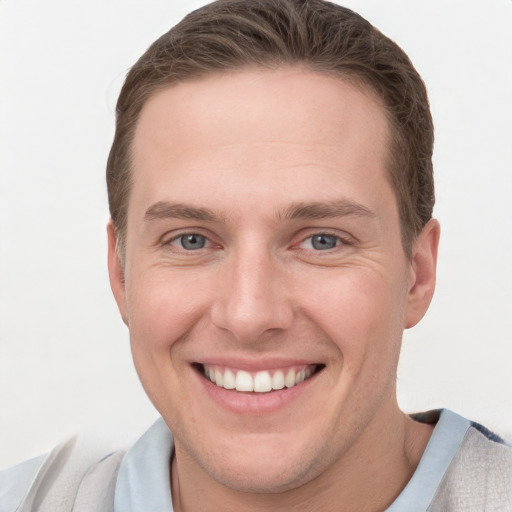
[(163, 307), (161, 314), (361, 311)]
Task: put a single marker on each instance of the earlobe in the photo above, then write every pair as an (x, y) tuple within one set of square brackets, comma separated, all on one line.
[(116, 272), (423, 271)]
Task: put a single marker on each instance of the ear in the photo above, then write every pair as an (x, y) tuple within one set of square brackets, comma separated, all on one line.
[(423, 273), (116, 272)]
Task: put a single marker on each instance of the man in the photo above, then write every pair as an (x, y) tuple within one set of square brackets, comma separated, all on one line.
[(271, 193)]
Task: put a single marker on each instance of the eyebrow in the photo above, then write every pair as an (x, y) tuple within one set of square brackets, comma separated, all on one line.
[(300, 210), (170, 210), (323, 210)]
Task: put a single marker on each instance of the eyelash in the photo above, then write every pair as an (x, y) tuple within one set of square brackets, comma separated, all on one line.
[(182, 236), (339, 241)]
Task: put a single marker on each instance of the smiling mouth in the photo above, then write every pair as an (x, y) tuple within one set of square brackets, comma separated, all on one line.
[(263, 381)]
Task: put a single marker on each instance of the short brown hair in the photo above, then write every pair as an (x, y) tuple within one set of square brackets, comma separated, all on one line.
[(319, 35)]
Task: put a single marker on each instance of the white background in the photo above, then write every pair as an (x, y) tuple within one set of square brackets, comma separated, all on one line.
[(65, 364)]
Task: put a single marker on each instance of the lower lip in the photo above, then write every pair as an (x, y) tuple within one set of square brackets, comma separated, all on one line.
[(254, 403)]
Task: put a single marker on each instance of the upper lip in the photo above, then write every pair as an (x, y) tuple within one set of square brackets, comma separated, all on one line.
[(255, 365)]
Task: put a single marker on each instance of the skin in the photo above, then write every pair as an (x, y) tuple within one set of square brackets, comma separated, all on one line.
[(253, 147)]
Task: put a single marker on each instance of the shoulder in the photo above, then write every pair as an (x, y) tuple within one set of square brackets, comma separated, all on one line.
[(57, 480), (16, 481), (479, 477), (465, 468)]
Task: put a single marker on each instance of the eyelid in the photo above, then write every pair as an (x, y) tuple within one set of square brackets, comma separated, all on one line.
[(344, 238), (180, 246), (339, 241), (169, 237)]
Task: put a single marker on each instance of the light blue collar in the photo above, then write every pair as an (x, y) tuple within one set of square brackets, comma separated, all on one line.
[(441, 449), (144, 482)]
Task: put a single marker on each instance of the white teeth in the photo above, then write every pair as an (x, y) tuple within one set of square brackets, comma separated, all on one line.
[(289, 380), (244, 381), (219, 378), (229, 380), (278, 380), (262, 382), (259, 382)]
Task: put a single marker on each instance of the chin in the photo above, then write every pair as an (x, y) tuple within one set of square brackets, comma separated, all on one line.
[(268, 478), (264, 466)]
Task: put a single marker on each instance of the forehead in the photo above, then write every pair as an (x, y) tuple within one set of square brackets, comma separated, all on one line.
[(253, 127), (280, 97)]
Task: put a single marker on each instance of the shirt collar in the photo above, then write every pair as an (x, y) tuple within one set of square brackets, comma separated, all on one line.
[(439, 453), (143, 481)]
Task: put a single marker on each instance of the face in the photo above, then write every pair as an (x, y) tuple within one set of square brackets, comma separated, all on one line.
[(265, 286)]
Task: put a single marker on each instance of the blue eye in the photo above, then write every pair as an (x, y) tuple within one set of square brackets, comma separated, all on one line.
[(323, 242), (191, 242)]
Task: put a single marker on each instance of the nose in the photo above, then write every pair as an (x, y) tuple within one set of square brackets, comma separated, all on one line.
[(253, 299)]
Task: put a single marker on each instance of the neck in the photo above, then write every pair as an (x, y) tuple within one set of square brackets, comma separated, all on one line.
[(369, 476)]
